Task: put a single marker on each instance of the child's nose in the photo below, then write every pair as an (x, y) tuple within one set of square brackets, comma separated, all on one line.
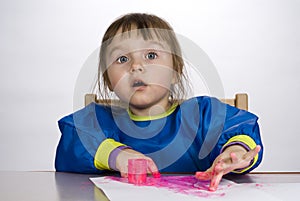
[(137, 66)]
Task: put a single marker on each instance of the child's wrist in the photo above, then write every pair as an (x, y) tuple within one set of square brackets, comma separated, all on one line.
[(113, 156), (237, 148)]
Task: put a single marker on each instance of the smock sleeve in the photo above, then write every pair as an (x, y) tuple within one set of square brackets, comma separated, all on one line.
[(87, 138), (225, 126)]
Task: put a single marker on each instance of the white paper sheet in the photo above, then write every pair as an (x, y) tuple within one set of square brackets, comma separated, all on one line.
[(189, 189)]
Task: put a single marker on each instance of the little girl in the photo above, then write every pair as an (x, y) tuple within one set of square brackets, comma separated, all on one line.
[(141, 63)]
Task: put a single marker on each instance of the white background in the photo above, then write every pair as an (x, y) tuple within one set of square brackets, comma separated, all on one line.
[(254, 45)]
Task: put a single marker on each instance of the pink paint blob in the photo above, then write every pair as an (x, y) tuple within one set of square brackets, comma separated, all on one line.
[(137, 171), (137, 179), (188, 185), (156, 174)]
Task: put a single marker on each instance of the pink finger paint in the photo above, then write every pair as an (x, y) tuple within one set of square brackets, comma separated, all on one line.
[(156, 174), (203, 175), (188, 185), (137, 171)]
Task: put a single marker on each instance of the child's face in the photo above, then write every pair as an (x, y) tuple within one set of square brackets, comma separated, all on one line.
[(140, 71)]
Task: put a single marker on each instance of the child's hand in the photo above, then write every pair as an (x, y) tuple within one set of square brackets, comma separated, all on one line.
[(122, 162), (234, 157)]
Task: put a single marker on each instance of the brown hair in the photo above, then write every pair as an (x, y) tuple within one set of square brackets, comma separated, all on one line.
[(147, 25)]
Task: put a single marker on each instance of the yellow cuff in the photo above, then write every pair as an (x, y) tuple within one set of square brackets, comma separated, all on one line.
[(248, 141), (103, 152)]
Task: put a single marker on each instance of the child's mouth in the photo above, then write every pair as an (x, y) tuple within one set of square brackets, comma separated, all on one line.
[(138, 83)]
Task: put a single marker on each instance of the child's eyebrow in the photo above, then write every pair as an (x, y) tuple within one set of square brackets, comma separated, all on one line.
[(157, 43), (113, 49), (149, 44)]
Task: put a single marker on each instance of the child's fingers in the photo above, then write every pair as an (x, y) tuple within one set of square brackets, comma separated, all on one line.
[(216, 178), (234, 158), (214, 174), (252, 153), (124, 174), (152, 168), (203, 175), (217, 175)]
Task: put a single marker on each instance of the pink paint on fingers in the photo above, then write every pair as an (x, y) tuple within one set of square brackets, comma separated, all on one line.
[(152, 166), (203, 175), (215, 181), (156, 175)]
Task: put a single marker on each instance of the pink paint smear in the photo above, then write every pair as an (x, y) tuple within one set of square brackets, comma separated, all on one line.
[(188, 185)]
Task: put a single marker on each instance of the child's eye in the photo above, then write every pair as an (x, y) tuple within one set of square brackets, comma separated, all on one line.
[(122, 59), (151, 55)]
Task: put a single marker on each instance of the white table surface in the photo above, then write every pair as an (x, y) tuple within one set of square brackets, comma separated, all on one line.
[(58, 186)]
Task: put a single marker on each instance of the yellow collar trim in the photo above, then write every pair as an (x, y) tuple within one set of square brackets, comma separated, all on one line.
[(147, 118)]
